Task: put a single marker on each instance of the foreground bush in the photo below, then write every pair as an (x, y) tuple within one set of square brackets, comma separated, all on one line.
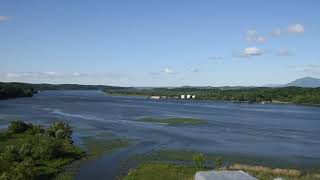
[(18, 127), (199, 160), (30, 152)]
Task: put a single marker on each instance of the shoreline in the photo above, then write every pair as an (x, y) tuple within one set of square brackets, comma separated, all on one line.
[(197, 99)]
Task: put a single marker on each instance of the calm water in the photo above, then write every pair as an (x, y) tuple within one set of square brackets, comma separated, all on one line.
[(289, 132)]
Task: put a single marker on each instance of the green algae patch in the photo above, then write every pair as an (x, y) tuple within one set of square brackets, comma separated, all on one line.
[(174, 121)]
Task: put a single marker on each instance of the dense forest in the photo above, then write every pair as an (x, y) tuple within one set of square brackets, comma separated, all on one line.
[(28, 151), (277, 95), (14, 90)]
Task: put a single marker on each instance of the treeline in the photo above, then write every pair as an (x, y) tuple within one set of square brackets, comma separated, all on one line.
[(28, 151), (42, 87), (285, 94), (14, 90)]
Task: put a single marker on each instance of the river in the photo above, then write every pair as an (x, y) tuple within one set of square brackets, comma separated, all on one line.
[(285, 131)]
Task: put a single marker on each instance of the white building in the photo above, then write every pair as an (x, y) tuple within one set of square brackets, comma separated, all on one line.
[(188, 96), (154, 97), (193, 96), (182, 96), (223, 175)]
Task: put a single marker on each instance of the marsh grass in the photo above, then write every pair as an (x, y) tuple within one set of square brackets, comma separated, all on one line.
[(160, 171), (100, 146), (184, 160)]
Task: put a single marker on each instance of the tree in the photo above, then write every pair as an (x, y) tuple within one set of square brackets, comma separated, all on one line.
[(61, 130), (218, 162), (199, 160), (18, 126)]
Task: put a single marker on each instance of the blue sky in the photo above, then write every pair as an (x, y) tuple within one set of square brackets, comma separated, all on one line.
[(159, 43)]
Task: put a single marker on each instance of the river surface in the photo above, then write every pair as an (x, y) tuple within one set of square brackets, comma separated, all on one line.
[(287, 132)]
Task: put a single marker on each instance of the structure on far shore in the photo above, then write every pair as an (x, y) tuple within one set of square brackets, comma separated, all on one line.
[(188, 96), (183, 96), (223, 175)]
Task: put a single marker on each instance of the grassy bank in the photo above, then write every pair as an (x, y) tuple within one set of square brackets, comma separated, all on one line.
[(174, 121), (160, 171), (28, 151), (169, 171), (175, 164)]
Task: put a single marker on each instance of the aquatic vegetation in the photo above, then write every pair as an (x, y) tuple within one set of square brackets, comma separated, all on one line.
[(160, 171), (174, 121), (29, 152), (97, 147)]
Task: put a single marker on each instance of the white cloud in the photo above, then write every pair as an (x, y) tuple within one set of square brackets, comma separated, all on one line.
[(311, 69), (252, 36), (252, 51), (215, 57), (4, 18), (284, 52), (277, 32), (194, 69), (12, 75), (37, 75), (50, 73), (168, 71), (295, 28), (69, 77)]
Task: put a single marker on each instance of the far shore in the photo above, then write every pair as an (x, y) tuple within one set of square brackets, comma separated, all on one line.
[(197, 99)]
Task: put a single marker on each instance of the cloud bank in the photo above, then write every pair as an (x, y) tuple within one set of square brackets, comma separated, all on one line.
[(4, 18)]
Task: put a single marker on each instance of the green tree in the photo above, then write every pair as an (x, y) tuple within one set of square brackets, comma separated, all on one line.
[(199, 160), (61, 130), (218, 162), (18, 127)]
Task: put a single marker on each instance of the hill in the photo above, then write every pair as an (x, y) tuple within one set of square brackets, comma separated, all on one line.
[(305, 82)]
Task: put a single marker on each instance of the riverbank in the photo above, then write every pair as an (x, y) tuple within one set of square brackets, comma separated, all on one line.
[(170, 171), (296, 95), (180, 164), (206, 100)]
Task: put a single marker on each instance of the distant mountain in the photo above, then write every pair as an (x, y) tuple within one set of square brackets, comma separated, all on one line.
[(271, 85), (305, 82)]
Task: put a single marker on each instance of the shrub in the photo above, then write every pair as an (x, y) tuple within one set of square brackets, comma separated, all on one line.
[(18, 127), (24, 170), (10, 154), (218, 162), (36, 129), (199, 160), (61, 130)]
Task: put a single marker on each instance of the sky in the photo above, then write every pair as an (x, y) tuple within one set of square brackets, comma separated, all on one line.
[(159, 42)]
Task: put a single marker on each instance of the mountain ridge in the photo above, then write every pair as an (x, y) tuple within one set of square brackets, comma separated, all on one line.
[(308, 82)]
